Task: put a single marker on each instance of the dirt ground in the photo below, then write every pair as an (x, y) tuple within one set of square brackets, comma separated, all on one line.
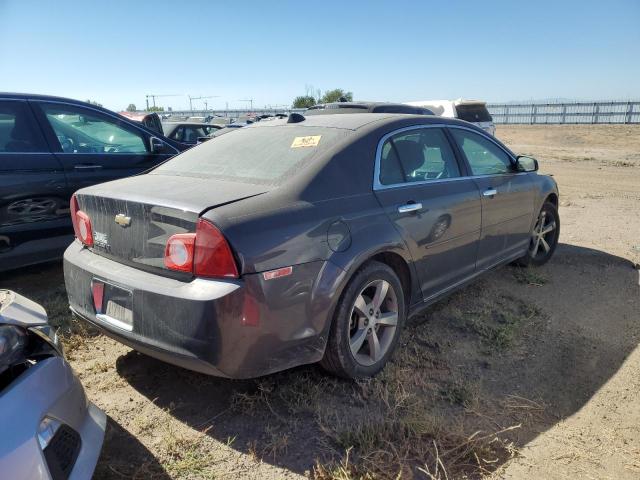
[(528, 373)]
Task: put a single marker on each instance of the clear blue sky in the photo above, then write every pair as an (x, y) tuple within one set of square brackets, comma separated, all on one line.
[(117, 51)]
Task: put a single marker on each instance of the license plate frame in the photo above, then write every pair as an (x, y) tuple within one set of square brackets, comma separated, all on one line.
[(116, 308)]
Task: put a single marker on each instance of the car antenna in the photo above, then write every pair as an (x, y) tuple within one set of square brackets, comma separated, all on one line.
[(296, 118)]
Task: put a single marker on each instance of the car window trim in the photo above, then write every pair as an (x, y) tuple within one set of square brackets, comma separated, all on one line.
[(116, 117), (376, 170)]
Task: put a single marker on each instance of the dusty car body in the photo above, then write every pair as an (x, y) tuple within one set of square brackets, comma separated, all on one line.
[(50, 431), (262, 247)]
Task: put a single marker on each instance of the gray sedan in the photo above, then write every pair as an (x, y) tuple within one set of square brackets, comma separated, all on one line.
[(49, 428), (303, 240)]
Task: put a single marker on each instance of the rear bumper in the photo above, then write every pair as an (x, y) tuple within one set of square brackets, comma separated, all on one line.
[(49, 388), (231, 328)]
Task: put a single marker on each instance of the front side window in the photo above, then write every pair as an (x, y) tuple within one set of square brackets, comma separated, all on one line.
[(17, 130), (83, 131), (417, 155), (191, 134), (484, 156), (177, 134)]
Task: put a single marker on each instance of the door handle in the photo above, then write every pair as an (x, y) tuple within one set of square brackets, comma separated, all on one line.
[(490, 192), (409, 207), (87, 166)]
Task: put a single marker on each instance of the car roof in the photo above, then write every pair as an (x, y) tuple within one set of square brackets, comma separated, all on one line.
[(193, 124), (356, 121), (53, 98), (362, 105)]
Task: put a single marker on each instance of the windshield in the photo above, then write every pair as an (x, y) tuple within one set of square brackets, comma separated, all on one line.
[(260, 155), (473, 113)]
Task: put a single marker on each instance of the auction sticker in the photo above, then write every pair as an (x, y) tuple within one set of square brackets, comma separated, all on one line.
[(310, 141)]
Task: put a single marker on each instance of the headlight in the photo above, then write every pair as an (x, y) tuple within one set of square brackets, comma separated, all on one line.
[(46, 430), (12, 343), (50, 335)]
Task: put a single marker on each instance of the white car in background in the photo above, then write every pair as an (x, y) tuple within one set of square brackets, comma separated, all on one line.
[(473, 111)]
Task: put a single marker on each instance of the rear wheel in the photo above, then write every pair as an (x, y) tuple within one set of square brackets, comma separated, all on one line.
[(544, 237), (367, 323)]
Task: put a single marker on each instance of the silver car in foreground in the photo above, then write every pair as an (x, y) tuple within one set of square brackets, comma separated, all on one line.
[(48, 428)]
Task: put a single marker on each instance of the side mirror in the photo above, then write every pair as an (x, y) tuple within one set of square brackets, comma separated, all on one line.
[(526, 164), (156, 145)]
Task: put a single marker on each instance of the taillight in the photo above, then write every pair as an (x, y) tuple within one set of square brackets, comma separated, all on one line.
[(206, 253), (81, 223), (178, 254)]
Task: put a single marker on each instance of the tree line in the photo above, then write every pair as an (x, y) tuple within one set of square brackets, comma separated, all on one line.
[(309, 100)]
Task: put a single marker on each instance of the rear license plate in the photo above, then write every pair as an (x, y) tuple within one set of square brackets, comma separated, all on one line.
[(116, 307)]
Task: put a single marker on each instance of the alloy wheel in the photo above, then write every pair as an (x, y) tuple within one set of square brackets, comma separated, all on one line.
[(373, 322), (542, 237)]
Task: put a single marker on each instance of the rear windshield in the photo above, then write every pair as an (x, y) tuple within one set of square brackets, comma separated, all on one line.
[(473, 113), (260, 155)]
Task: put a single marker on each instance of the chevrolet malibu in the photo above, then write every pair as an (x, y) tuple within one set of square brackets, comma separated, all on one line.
[(303, 240)]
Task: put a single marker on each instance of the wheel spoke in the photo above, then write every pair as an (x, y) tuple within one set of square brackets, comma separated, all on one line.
[(545, 245), (388, 319), (361, 306), (536, 246), (550, 227), (374, 346), (381, 292), (357, 340)]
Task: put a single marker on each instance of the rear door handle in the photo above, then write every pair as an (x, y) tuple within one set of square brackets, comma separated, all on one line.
[(409, 207), (490, 192), (87, 166)]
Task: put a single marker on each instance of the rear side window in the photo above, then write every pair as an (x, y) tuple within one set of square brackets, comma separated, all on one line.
[(417, 155), (18, 132), (260, 155), (473, 113)]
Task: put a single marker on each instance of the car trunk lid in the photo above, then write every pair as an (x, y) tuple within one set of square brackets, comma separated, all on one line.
[(132, 219)]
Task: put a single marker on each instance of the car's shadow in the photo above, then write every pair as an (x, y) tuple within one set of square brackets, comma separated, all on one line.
[(588, 299), (126, 457)]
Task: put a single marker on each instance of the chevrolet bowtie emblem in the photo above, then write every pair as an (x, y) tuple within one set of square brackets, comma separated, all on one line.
[(122, 220)]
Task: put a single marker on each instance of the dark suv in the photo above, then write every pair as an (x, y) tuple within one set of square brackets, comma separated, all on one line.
[(49, 148), (366, 107)]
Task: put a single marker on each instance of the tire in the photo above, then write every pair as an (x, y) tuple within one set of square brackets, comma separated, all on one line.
[(540, 251), (361, 312)]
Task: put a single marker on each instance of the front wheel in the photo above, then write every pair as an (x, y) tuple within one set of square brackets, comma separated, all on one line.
[(544, 237), (367, 323)]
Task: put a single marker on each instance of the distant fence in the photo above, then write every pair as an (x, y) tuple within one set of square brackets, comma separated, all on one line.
[(576, 112), (526, 113)]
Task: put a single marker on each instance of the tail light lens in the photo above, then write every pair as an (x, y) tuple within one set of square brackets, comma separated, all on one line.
[(81, 223), (178, 254), (206, 253)]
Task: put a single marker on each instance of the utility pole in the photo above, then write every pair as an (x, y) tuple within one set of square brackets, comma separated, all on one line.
[(153, 98), (250, 100), (199, 98)]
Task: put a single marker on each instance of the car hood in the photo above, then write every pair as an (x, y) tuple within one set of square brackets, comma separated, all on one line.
[(18, 310)]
